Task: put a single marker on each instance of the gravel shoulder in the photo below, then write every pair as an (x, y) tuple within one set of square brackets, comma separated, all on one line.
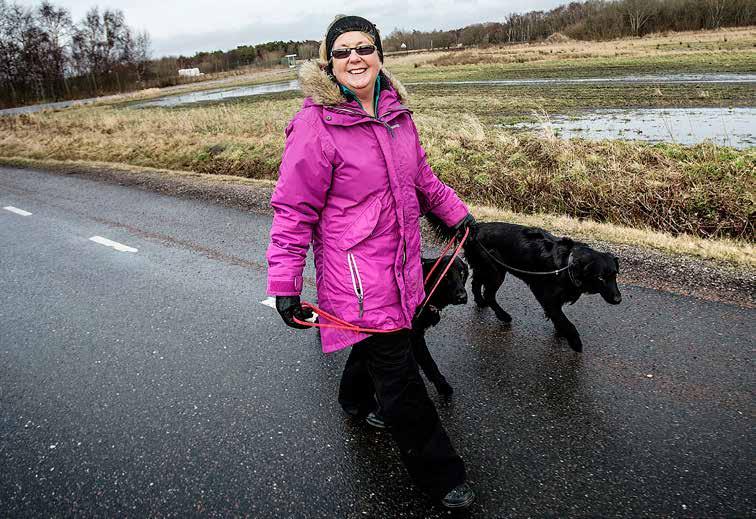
[(640, 266)]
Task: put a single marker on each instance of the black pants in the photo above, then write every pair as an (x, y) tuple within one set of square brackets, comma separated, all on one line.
[(383, 365)]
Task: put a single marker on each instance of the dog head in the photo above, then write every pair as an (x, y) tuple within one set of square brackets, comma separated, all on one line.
[(596, 273), (451, 290)]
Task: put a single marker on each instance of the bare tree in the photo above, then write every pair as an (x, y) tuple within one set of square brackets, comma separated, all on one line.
[(715, 10), (638, 13)]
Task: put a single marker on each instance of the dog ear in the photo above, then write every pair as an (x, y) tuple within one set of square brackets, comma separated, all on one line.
[(616, 262)]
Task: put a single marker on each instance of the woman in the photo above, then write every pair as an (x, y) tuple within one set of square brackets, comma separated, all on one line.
[(354, 182)]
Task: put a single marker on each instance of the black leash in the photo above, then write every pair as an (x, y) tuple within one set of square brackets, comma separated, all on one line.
[(532, 273)]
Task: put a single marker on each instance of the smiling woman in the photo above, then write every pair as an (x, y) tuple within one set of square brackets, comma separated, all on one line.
[(354, 182)]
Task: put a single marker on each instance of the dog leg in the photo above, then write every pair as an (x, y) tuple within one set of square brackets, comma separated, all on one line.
[(477, 284), (566, 329), (563, 326), (490, 287), (428, 365)]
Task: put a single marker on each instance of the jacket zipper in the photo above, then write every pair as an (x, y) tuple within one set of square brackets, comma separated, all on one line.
[(354, 272)]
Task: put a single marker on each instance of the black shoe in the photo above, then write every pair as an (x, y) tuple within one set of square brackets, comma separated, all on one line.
[(460, 496), (375, 419), (353, 411)]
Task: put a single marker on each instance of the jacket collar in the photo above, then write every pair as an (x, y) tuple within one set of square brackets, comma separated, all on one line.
[(317, 84)]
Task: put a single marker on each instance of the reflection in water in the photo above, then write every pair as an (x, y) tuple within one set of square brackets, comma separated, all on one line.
[(219, 95), (725, 126)]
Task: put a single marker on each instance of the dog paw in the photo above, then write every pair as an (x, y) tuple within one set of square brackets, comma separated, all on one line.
[(504, 317), (445, 390), (576, 345)]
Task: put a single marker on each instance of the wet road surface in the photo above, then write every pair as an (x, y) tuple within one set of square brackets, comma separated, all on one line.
[(155, 383)]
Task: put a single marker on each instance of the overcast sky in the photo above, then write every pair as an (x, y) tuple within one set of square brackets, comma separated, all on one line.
[(188, 26)]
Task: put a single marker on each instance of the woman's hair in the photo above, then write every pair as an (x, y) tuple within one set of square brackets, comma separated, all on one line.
[(325, 58)]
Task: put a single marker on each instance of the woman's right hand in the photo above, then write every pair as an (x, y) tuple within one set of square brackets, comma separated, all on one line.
[(290, 307)]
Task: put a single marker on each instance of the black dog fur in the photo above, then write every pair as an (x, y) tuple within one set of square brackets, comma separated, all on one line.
[(536, 250), (451, 291)]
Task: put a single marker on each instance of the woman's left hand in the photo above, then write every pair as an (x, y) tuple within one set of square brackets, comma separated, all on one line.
[(468, 222)]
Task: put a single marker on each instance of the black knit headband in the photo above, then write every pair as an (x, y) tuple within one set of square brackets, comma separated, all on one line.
[(352, 23)]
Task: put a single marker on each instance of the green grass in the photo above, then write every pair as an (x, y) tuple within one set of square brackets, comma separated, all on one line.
[(579, 67)]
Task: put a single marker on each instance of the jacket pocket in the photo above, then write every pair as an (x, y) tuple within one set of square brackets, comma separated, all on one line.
[(362, 226)]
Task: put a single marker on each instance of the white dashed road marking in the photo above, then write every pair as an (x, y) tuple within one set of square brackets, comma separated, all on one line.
[(17, 210), (110, 243)]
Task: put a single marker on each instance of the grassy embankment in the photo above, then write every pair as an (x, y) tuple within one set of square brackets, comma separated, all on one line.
[(702, 190)]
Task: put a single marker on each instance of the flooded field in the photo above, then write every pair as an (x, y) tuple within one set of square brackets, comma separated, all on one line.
[(728, 127), (220, 95), (725, 126), (268, 88)]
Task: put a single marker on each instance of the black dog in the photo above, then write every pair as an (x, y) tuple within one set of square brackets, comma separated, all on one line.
[(574, 269), (451, 291)]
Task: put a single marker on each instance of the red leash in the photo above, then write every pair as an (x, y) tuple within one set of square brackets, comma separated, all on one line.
[(341, 324)]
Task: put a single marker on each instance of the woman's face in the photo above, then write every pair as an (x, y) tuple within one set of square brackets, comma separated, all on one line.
[(356, 72)]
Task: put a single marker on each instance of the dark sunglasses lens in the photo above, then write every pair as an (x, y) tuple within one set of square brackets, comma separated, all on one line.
[(365, 50), (341, 53), (362, 50)]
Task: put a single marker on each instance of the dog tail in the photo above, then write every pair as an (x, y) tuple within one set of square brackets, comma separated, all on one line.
[(439, 230)]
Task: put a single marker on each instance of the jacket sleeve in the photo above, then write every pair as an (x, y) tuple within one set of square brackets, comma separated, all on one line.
[(433, 195), (300, 194)]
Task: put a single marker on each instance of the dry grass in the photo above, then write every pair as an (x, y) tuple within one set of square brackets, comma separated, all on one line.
[(735, 252), (705, 190), (695, 42), (731, 252), (244, 141)]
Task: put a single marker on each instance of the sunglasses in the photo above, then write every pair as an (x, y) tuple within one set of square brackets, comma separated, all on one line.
[(362, 50)]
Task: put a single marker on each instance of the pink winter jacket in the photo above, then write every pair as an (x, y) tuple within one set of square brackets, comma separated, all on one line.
[(354, 187)]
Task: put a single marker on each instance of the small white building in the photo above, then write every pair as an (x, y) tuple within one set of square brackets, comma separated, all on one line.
[(189, 72), (291, 59)]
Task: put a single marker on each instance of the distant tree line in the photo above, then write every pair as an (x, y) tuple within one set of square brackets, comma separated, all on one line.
[(262, 55), (590, 20), (45, 56)]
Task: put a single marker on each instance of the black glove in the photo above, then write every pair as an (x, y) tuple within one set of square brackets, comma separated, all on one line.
[(425, 318), (468, 222), (290, 307)]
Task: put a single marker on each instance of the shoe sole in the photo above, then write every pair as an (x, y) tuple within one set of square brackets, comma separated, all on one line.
[(376, 424), (463, 504)]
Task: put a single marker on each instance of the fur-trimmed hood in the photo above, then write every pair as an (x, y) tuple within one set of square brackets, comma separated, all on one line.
[(318, 86)]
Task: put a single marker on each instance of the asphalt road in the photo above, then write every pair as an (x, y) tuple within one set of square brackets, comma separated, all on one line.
[(155, 383)]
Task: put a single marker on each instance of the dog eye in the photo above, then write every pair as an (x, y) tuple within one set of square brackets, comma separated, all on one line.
[(600, 278)]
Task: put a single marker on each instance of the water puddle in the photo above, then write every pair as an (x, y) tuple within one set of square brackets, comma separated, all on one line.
[(219, 94), (54, 106), (641, 80), (725, 126)]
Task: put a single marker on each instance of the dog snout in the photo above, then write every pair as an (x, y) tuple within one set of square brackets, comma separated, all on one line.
[(461, 297), (617, 299)]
